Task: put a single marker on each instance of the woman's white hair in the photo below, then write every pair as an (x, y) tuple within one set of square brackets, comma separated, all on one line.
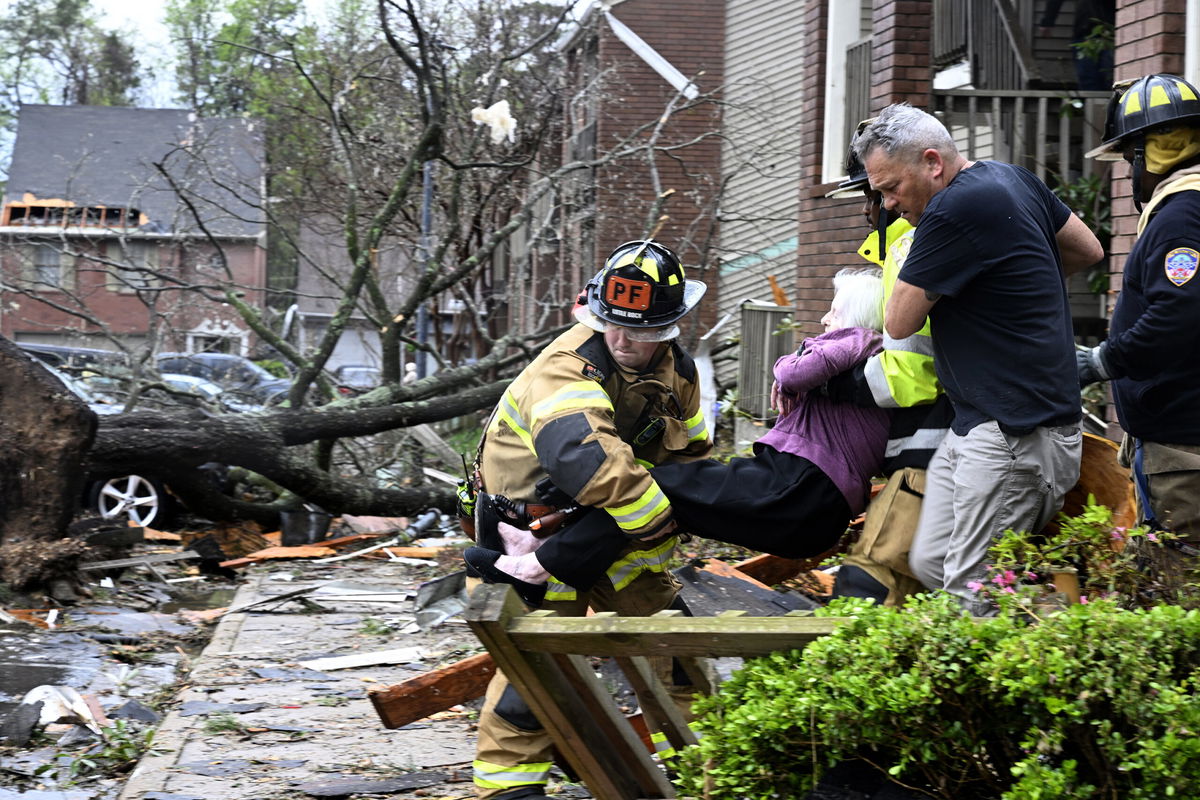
[(860, 290)]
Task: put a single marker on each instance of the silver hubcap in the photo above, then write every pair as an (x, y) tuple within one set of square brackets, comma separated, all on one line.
[(132, 497)]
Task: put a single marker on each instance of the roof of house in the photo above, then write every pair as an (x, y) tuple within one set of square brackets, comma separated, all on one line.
[(106, 156)]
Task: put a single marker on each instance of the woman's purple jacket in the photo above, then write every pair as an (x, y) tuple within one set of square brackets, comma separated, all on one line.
[(845, 441)]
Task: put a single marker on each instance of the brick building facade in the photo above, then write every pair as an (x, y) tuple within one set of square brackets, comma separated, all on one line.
[(617, 103)]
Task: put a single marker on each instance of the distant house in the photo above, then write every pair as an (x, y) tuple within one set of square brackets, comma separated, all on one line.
[(125, 224)]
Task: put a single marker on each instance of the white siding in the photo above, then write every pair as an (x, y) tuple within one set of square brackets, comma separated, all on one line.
[(760, 157)]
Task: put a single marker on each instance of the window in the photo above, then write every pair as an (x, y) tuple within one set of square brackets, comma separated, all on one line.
[(137, 263), (847, 79), (46, 267)]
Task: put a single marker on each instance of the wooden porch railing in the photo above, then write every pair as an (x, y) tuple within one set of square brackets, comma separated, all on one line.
[(1046, 132), (543, 656)]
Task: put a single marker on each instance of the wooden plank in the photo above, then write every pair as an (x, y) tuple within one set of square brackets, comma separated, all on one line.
[(466, 680), (541, 681), (302, 551), (625, 745), (149, 558), (709, 637), (152, 535), (657, 702), (719, 567), (409, 552), (400, 655), (770, 570), (431, 692)]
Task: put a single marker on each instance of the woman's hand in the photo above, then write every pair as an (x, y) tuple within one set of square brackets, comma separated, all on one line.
[(781, 401)]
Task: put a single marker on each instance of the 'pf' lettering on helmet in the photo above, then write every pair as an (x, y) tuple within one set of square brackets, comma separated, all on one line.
[(624, 293)]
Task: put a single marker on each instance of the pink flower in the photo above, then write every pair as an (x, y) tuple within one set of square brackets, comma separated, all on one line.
[(1083, 599), (1009, 590), (974, 586), (1152, 537)]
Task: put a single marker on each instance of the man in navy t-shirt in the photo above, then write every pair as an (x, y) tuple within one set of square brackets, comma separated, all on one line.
[(987, 267)]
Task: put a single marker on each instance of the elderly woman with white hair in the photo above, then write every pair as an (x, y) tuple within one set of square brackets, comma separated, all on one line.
[(808, 477)]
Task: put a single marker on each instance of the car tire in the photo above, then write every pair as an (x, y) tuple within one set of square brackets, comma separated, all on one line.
[(135, 498)]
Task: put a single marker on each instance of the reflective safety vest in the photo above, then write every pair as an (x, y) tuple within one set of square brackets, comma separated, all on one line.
[(902, 374), (574, 415)]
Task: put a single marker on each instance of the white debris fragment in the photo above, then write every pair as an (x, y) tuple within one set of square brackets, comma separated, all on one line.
[(499, 119)]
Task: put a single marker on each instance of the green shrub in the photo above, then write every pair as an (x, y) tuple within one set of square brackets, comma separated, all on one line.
[(1092, 702)]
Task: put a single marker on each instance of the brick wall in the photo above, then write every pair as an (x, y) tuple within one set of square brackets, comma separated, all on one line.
[(1149, 39), (690, 35), (900, 53), (832, 230)]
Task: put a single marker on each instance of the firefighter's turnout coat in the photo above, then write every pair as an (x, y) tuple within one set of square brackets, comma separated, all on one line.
[(592, 427)]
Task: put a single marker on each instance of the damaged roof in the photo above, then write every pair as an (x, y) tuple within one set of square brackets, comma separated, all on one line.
[(106, 156)]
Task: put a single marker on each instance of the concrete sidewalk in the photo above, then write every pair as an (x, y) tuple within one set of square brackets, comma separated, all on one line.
[(289, 731)]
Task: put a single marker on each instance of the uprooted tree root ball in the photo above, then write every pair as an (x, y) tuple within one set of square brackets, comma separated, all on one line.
[(25, 565)]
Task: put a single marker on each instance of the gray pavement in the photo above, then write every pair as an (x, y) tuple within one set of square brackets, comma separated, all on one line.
[(294, 732)]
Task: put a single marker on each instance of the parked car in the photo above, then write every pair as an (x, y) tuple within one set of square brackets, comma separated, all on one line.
[(355, 379), (78, 360), (209, 392), (246, 381), (141, 499)]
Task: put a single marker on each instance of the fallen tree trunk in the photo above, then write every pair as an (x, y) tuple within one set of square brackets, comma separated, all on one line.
[(172, 445)]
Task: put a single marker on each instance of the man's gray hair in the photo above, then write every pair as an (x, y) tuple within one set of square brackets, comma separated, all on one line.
[(861, 293), (904, 132)]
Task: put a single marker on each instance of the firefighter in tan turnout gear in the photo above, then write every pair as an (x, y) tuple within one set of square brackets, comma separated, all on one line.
[(579, 426)]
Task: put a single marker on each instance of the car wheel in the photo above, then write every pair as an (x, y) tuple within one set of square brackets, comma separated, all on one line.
[(136, 498)]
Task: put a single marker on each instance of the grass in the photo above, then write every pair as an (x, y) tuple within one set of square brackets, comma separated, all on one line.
[(223, 723)]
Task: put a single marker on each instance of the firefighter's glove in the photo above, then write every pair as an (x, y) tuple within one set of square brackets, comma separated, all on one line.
[(1092, 365)]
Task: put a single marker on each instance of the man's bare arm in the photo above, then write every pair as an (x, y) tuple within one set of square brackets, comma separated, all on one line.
[(907, 309), (1077, 245)]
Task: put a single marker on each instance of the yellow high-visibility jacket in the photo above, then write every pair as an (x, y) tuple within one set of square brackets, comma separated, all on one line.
[(574, 415), (902, 374)]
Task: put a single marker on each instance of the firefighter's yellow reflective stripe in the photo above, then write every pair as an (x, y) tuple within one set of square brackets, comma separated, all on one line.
[(498, 776), (508, 412), (640, 512), (580, 394), (623, 571), (559, 591), (628, 258), (697, 429), (1133, 102), (1185, 91), (1158, 97), (641, 462), (662, 747)]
